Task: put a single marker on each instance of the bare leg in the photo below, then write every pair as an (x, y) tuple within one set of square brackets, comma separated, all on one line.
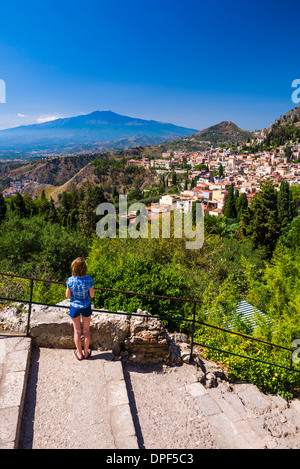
[(86, 334), (77, 335)]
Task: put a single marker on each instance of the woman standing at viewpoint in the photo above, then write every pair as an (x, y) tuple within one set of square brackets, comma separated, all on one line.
[(80, 290)]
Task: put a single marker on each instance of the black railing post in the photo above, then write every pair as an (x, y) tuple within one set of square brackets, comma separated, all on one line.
[(29, 310), (193, 332)]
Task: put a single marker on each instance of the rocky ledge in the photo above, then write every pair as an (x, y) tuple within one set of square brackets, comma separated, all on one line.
[(139, 338)]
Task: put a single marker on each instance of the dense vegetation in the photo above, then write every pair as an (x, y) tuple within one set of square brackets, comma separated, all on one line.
[(250, 253), (282, 133)]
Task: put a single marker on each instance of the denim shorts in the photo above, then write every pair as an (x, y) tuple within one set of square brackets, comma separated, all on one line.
[(75, 312)]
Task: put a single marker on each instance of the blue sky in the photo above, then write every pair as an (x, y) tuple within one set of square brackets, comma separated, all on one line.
[(192, 63)]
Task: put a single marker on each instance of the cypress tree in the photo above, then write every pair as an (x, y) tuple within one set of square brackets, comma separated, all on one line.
[(87, 214), (285, 204), (230, 209), (260, 221), (3, 208), (52, 213), (19, 205), (241, 205)]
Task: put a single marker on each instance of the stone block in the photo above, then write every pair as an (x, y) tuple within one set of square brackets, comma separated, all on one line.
[(9, 418), (255, 401), (113, 371), (226, 433), (228, 409), (52, 327), (196, 389), (12, 389), (207, 405), (121, 421), (116, 393)]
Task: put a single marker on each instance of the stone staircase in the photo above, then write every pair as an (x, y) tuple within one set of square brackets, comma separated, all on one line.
[(72, 404), (241, 417), (236, 416)]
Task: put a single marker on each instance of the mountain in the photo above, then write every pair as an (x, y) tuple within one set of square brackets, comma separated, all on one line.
[(88, 133), (283, 131), (290, 117), (224, 133), (58, 171)]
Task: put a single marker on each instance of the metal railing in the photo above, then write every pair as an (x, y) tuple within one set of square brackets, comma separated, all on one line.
[(193, 321)]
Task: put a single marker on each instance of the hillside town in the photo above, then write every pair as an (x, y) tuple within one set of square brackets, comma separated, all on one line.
[(210, 174), (207, 175)]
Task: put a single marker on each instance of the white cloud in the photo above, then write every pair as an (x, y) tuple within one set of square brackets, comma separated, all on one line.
[(42, 119), (22, 115)]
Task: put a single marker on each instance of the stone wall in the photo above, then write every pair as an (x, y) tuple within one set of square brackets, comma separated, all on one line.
[(149, 342), (138, 339)]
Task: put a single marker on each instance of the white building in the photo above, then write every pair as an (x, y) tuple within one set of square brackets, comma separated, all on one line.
[(185, 206)]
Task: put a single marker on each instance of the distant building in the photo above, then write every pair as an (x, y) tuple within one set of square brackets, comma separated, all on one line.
[(185, 206), (166, 200)]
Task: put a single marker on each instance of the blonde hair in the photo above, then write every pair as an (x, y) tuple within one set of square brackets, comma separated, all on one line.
[(79, 267)]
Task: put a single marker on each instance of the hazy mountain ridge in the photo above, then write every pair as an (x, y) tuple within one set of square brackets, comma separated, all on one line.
[(60, 170), (95, 131)]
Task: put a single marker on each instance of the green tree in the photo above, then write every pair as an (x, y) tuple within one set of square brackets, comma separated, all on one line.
[(51, 214), (241, 205), (230, 209), (136, 193), (18, 205), (288, 152), (39, 248), (221, 171), (43, 204), (295, 190), (3, 208), (87, 214), (260, 220), (285, 203), (291, 236), (128, 265), (31, 205), (161, 188), (98, 196)]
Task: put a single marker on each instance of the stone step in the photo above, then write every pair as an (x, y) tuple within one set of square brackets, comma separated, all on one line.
[(242, 417), (73, 404), (235, 411), (14, 366)]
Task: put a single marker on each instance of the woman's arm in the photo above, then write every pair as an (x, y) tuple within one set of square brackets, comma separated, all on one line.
[(92, 293), (68, 293)]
